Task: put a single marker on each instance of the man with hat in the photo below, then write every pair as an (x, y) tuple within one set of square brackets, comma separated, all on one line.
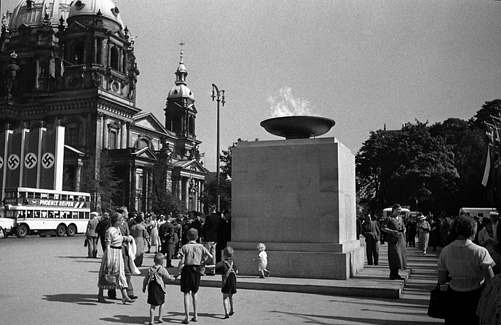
[(91, 235), (488, 237)]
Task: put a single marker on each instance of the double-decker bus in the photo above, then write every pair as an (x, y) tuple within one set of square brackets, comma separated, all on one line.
[(46, 211)]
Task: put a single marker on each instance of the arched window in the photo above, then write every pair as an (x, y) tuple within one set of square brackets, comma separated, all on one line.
[(177, 124), (113, 135), (114, 58), (79, 54), (72, 135), (99, 51), (191, 125)]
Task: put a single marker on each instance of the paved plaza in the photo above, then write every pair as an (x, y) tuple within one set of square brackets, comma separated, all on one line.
[(50, 281)]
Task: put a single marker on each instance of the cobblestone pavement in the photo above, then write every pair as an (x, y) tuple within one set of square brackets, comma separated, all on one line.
[(49, 281)]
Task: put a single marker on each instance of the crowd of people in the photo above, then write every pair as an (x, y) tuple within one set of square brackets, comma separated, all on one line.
[(468, 264), (200, 244)]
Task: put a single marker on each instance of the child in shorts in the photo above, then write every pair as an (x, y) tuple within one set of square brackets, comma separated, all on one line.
[(155, 282), (192, 255), (228, 271)]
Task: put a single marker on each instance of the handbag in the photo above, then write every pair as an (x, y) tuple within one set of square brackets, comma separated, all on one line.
[(438, 300), (110, 278)]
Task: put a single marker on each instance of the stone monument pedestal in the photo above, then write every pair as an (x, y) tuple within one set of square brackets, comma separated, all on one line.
[(296, 196)]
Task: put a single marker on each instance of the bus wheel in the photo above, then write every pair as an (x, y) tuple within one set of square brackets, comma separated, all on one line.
[(21, 231), (61, 230), (71, 231)]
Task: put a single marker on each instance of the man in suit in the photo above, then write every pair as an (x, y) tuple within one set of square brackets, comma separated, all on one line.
[(166, 233), (372, 233), (210, 231)]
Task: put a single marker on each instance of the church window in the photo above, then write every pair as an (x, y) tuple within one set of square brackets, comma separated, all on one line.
[(72, 135), (114, 58), (113, 135), (177, 124), (191, 125), (79, 54), (99, 51), (112, 139)]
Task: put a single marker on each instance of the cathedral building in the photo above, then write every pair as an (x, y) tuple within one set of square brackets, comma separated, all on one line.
[(72, 64)]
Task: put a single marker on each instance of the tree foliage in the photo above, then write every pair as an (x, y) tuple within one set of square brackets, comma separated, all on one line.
[(98, 178), (163, 201), (409, 166)]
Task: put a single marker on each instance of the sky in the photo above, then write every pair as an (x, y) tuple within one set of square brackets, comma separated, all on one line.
[(365, 64)]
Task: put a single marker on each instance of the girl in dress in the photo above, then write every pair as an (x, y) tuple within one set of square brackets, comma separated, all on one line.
[(155, 282), (228, 271), (262, 260), (112, 272)]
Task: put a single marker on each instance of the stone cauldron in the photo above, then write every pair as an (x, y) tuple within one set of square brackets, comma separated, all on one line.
[(298, 127)]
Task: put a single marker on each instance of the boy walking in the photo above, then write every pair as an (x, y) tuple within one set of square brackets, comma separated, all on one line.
[(192, 255), (155, 282)]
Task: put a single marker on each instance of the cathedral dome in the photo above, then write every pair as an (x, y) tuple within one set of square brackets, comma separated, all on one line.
[(90, 8), (180, 91), (37, 12)]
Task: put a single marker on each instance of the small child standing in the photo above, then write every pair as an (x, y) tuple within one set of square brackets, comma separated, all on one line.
[(155, 281), (263, 260), (229, 272)]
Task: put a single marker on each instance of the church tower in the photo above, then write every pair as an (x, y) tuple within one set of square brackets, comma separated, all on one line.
[(71, 64), (180, 114)]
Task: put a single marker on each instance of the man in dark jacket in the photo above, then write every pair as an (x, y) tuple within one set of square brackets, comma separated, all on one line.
[(166, 233), (224, 234), (210, 231)]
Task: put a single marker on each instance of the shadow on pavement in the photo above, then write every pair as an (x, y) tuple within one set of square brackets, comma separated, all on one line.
[(73, 298), (317, 319), (172, 317)]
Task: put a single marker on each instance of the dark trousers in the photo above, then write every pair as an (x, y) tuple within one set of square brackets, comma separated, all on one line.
[(168, 250), (372, 250)]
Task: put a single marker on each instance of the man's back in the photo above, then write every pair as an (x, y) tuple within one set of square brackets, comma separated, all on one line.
[(211, 227)]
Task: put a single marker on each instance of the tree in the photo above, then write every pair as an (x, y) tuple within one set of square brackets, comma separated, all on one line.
[(163, 201), (489, 109), (407, 166), (469, 148), (98, 178), (209, 194)]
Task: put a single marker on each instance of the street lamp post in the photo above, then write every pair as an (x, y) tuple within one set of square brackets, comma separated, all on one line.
[(218, 95)]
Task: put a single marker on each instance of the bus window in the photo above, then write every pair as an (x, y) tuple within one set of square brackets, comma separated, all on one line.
[(56, 196), (22, 214), (55, 214), (43, 214), (51, 214), (29, 214), (81, 215)]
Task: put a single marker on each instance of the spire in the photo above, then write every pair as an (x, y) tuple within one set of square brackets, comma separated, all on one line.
[(181, 72)]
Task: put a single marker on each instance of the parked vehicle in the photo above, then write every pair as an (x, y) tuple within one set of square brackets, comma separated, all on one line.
[(477, 212), (59, 213)]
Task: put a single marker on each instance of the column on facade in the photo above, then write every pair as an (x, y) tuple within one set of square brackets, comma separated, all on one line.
[(83, 130), (200, 191), (180, 188), (78, 174), (105, 132), (123, 136), (99, 133)]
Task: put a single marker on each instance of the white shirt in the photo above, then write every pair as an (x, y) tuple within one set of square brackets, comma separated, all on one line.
[(464, 260)]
